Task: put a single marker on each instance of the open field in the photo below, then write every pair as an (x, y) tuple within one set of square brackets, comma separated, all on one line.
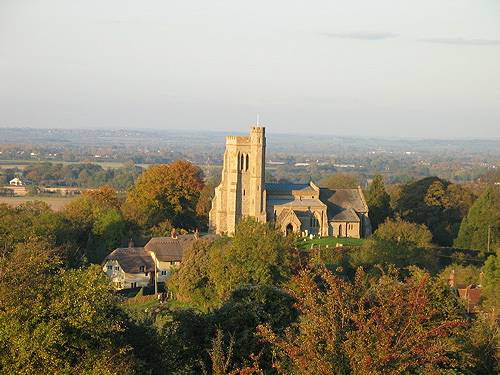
[(330, 242), (56, 203), (21, 164)]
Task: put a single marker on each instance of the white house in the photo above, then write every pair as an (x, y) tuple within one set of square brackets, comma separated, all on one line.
[(129, 267), (16, 182)]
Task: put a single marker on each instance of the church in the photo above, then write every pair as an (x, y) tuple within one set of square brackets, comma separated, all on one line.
[(302, 208)]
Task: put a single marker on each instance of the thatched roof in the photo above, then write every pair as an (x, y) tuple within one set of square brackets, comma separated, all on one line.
[(131, 259), (168, 249)]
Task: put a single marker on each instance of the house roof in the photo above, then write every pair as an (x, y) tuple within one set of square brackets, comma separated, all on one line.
[(168, 249), (131, 259)]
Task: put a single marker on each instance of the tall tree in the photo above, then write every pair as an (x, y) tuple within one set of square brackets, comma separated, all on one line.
[(167, 192), (436, 203), (379, 202), (483, 217)]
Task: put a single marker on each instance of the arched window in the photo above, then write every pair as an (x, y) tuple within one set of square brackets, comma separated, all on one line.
[(246, 162), (241, 162), (238, 167)]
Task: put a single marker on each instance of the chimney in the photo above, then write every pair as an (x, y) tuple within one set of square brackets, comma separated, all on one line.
[(196, 234), (451, 279), (131, 243), (173, 233)]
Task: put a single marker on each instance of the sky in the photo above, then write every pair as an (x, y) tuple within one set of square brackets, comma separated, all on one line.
[(426, 68)]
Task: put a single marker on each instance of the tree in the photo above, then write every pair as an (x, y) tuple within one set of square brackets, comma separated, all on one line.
[(248, 307), (436, 203), (165, 192), (340, 181), (379, 253), (191, 282), (403, 232), (31, 219), (378, 202), (54, 320), (256, 255), (483, 216), (366, 327), (97, 222), (204, 204), (491, 287), (464, 275)]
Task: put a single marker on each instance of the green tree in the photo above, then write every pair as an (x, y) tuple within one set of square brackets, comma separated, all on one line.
[(386, 253), (257, 254), (484, 215), (31, 219), (340, 181), (404, 232), (191, 282), (165, 192), (55, 321), (97, 222), (378, 202), (248, 307), (436, 203), (464, 275), (491, 280)]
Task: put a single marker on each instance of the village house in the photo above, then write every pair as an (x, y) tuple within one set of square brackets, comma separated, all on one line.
[(17, 187), (129, 267), (16, 181), (135, 267), (302, 208)]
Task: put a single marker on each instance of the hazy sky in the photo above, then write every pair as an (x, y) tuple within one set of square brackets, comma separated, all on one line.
[(374, 67)]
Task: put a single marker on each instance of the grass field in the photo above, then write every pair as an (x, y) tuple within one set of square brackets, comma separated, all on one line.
[(330, 242), (56, 203)]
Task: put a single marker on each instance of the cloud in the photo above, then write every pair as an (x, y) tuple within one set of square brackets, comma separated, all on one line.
[(363, 35), (463, 41)]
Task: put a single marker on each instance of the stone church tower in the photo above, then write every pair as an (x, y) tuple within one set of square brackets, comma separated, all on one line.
[(242, 189)]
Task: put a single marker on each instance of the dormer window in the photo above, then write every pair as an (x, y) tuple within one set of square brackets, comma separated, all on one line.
[(141, 268)]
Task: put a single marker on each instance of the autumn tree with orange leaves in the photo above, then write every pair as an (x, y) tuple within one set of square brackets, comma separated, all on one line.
[(165, 195), (380, 326)]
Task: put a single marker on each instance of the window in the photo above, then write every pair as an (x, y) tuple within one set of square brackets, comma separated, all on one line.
[(141, 268), (172, 263), (133, 285), (246, 162), (145, 273), (110, 267), (117, 268), (163, 273)]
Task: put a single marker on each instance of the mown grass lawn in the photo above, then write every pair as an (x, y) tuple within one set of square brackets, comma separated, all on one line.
[(329, 241)]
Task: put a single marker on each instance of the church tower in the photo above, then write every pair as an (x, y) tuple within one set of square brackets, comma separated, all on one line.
[(241, 191)]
